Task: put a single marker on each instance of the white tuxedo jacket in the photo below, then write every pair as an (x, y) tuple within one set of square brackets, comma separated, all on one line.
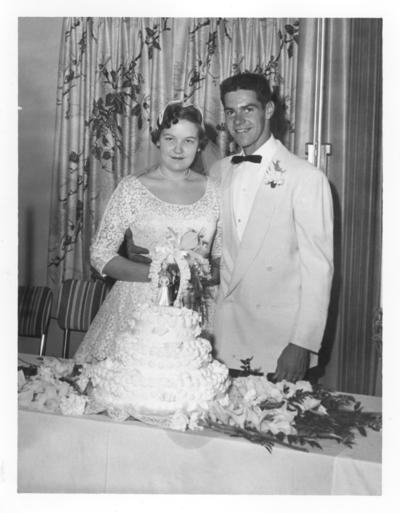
[(275, 283)]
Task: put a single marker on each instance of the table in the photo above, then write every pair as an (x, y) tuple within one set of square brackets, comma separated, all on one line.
[(96, 454)]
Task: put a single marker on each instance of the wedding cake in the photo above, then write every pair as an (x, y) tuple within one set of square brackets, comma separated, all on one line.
[(162, 370)]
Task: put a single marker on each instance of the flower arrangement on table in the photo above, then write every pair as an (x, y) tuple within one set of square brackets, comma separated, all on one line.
[(54, 386), (295, 415), (179, 270), (289, 414)]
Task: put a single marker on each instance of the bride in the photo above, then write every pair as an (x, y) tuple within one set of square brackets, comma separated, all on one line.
[(170, 198)]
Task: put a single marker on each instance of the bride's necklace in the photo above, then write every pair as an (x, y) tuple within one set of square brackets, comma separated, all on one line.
[(184, 175)]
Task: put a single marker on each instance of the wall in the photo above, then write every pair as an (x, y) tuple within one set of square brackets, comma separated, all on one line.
[(39, 43), (38, 54)]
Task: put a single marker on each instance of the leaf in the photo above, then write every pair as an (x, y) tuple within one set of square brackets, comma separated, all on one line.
[(150, 32), (289, 29), (96, 152), (290, 50), (109, 99), (119, 105), (106, 155), (362, 430), (136, 110), (74, 157), (140, 122), (156, 45), (314, 444)]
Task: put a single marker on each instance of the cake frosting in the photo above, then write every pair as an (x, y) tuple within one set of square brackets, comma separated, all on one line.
[(161, 367)]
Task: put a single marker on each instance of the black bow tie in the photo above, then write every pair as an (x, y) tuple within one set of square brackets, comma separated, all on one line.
[(237, 159)]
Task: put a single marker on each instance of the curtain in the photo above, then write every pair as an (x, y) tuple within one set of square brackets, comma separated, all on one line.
[(352, 124), (115, 77)]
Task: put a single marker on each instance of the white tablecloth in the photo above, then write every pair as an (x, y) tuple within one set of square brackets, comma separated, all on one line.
[(95, 454)]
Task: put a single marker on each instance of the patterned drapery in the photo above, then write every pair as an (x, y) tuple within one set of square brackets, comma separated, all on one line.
[(116, 76)]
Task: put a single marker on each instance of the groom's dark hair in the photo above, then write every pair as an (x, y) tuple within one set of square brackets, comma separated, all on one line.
[(250, 82)]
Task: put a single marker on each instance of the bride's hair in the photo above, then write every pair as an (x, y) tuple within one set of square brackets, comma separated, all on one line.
[(173, 113)]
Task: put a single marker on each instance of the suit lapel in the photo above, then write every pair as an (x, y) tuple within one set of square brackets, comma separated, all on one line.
[(230, 238), (265, 204)]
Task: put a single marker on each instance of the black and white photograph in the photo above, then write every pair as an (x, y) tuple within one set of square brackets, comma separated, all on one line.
[(199, 277)]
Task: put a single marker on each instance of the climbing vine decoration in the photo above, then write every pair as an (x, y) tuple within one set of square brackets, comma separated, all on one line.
[(115, 77)]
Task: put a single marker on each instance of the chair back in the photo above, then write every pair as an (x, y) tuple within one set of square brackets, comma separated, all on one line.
[(34, 310), (78, 303)]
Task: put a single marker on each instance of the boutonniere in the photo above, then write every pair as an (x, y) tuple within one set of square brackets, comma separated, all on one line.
[(274, 174)]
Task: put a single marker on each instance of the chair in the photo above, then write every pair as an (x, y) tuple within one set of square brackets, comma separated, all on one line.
[(78, 303), (34, 310)]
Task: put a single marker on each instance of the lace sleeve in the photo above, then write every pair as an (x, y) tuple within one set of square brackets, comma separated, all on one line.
[(114, 223)]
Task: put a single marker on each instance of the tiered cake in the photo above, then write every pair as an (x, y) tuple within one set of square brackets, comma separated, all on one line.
[(161, 369)]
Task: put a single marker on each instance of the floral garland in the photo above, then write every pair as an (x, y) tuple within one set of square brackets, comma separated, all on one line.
[(294, 415), (289, 414), (49, 387)]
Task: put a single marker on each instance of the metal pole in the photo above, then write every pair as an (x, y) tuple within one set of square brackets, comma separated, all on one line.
[(321, 74)]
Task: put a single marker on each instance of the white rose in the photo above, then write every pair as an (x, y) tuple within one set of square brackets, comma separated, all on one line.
[(117, 414), (21, 380), (286, 388), (82, 382), (309, 403), (179, 421), (45, 373), (25, 398), (282, 422), (51, 404), (59, 367), (305, 386), (73, 404), (189, 240), (250, 396), (194, 421)]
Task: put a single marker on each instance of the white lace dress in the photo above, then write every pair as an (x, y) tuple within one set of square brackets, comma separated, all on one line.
[(133, 206)]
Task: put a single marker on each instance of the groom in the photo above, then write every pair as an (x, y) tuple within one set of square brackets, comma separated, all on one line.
[(277, 249)]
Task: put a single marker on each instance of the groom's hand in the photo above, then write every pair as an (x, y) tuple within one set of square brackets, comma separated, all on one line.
[(135, 253), (292, 363)]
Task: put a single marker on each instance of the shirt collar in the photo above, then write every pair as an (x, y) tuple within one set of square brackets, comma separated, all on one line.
[(266, 150)]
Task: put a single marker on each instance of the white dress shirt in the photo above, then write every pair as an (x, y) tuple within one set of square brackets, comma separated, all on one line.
[(247, 179)]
